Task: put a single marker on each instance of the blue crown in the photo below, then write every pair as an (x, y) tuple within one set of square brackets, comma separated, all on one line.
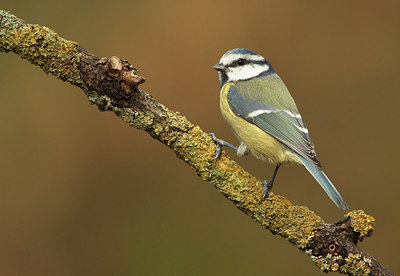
[(241, 51)]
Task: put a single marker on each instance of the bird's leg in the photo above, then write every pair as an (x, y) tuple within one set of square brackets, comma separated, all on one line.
[(220, 143), (268, 184)]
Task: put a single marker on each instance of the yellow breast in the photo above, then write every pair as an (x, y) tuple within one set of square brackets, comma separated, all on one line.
[(261, 144)]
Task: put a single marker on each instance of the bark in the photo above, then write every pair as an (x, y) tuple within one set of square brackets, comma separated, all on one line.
[(113, 85)]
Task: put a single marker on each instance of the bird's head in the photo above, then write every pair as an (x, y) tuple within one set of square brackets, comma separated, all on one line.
[(241, 64)]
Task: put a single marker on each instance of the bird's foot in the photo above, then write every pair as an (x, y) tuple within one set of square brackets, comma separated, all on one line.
[(267, 188), (220, 143)]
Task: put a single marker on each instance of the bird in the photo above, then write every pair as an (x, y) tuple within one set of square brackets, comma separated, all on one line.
[(257, 105)]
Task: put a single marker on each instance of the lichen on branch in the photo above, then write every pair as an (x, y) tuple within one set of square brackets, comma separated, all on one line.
[(113, 85)]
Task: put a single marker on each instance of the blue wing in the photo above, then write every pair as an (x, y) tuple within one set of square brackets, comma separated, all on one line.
[(285, 125)]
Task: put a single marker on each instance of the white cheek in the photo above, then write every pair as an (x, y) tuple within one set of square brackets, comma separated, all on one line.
[(246, 72)]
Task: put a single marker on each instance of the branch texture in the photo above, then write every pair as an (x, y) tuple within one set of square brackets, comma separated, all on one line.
[(112, 85)]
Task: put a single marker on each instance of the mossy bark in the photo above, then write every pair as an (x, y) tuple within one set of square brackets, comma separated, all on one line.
[(112, 85)]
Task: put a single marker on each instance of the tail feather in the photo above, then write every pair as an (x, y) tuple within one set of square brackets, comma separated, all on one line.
[(325, 183)]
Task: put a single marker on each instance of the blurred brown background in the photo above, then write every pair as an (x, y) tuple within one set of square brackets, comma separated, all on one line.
[(81, 193)]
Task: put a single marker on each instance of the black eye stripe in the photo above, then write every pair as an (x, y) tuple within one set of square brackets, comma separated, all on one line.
[(243, 61)]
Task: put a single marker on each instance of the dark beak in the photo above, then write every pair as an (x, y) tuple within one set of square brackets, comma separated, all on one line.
[(219, 67)]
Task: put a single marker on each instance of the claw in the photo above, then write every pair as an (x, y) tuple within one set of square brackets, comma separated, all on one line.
[(267, 188), (218, 146), (220, 143), (268, 184), (217, 152)]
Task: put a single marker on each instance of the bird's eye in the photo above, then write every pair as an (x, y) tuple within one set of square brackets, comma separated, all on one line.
[(240, 61)]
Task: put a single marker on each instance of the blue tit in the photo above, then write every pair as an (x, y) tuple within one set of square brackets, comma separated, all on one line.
[(255, 102)]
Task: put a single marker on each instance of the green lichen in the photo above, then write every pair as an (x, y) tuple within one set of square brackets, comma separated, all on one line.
[(296, 223), (326, 263), (60, 57), (139, 120), (8, 20), (93, 97), (41, 46), (320, 261), (191, 144), (142, 120), (355, 264), (361, 223), (126, 114), (104, 103)]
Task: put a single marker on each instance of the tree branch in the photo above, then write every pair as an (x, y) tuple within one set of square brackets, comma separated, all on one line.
[(112, 85)]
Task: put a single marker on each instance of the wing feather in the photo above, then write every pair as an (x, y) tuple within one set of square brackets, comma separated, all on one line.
[(285, 125)]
